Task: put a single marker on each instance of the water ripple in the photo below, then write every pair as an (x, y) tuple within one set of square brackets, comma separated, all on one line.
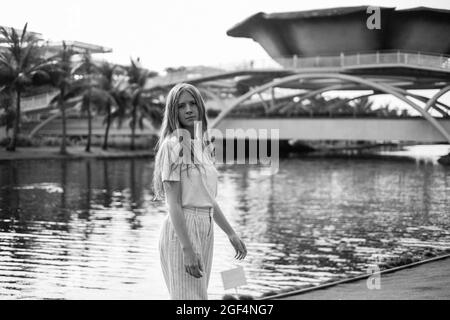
[(89, 230)]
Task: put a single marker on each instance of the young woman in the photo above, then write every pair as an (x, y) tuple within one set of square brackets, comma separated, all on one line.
[(189, 184)]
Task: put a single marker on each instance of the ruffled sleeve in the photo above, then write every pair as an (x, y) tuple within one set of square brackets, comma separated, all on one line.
[(170, 161)]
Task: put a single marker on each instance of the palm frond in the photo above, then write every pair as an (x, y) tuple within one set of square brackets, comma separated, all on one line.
[(118, 116), (25, 57), (5, 63), (40, 77), (54, 100), (24, 33), (6, 34)]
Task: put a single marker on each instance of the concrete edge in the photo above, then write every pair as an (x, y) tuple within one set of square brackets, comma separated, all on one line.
[(364, 276)]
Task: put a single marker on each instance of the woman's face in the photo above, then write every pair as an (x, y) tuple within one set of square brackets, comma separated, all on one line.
[(188, 111)]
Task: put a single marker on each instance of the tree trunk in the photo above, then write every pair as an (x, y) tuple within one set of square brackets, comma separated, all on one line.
[(88, 187), (62, 105), (64, 185), (16, 128), (88, 144), (108, 124), (133, 127)]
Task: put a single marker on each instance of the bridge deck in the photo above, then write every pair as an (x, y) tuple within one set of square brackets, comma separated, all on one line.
[(369, 129)]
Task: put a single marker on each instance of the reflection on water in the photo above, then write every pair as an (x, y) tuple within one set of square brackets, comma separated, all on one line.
[(88, 228)]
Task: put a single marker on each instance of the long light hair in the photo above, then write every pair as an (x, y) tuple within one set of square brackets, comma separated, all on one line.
[(170, 123)]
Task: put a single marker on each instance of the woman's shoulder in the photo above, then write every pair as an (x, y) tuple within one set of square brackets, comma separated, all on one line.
[(171, 145), (170, 142)]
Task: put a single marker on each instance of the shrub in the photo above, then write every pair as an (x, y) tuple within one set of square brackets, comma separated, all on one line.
[(22, 141)]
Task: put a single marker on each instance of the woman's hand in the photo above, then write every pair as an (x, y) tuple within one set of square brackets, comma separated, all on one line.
[(239, 246), (193, 263)]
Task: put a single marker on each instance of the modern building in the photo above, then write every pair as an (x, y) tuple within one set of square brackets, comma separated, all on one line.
[(368, 50), (35, 104), (376, 49), (348, 30), (53, 46)]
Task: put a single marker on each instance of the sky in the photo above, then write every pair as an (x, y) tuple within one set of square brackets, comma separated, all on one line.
[(167, 33)]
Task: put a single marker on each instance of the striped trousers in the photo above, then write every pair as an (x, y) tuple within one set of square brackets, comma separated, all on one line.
[(200, 228)]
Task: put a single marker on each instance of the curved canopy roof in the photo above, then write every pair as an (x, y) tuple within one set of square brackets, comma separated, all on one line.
[(334, 30)]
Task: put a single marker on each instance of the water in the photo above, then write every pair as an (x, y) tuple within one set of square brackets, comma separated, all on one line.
[(87, 229)]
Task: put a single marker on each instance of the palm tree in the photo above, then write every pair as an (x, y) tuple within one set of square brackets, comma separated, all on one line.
[(155, 112), (122, 97), (112, 96), (111, 93), (362, 106), (61, 75), (21, 64), (106, 71), (7, 117), (96, 85), (386, 111), (140, 107), (85, 83)]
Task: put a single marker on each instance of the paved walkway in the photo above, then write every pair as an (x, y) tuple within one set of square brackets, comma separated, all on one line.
[(74, 153), (429, 281)]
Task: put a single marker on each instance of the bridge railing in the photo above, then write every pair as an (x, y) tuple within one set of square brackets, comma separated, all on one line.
[(420, 59)]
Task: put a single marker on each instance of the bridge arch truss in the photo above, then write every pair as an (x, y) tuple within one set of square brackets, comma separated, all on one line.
[(379, 88)]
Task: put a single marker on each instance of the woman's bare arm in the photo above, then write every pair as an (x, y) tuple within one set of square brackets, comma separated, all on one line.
[(222, 222), (173, 194), (192, 261)]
